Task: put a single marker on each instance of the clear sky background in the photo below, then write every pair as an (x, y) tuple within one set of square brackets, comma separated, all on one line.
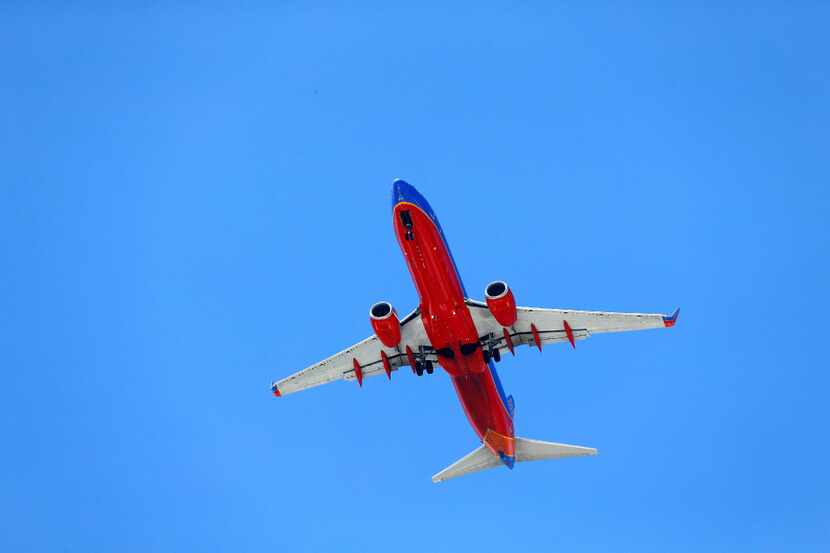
[(195, 201)]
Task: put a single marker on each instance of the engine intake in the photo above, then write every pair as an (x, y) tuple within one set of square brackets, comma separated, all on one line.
[(501, 302), (385, 323)]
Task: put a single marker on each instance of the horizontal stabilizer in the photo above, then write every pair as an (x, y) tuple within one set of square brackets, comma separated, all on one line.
[(480, 459), (536, 450), (526, 450)]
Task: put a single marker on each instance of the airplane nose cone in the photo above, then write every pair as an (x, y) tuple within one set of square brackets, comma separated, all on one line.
[(400, 190)]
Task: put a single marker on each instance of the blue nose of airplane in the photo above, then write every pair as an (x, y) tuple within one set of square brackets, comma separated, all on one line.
[(402, 191)]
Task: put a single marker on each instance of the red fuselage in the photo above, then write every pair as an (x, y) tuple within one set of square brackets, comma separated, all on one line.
[(448, 322)]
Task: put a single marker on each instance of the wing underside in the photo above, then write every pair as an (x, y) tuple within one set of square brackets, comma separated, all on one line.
[(362, 360), (536, 326), (533, 327)]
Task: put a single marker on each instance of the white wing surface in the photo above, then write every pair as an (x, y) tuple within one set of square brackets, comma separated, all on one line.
[(362, 360), (536, 326)]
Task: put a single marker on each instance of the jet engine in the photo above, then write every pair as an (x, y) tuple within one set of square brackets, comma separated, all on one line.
[(501, 302), (385, 323)]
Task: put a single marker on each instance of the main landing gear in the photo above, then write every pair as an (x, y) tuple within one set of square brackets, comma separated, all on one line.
[(490, 350), (427, 366)]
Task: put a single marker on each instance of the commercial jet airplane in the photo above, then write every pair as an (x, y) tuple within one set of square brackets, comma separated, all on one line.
[(464, 337)]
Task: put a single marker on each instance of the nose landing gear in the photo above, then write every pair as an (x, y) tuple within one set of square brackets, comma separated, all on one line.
[(406, 221)]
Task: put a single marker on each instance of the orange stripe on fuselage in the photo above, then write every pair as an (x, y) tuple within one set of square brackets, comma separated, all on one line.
[(499, 443)]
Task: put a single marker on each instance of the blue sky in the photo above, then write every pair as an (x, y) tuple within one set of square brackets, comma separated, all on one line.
[(195, 200)]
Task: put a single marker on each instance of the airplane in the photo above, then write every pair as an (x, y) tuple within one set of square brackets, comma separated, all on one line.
[(463, 336)]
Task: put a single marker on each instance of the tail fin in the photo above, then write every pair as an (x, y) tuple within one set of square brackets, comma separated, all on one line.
[(526, 450)]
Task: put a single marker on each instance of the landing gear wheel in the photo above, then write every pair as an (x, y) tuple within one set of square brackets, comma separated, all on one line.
[(486, 355), (419, 369), (496, 355), (429, 367)]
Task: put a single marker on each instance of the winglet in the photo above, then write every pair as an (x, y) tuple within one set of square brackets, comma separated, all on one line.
[(275, 390), (669, 321)]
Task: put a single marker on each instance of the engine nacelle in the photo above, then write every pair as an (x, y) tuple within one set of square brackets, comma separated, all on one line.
[(385, 323), (501, 302)]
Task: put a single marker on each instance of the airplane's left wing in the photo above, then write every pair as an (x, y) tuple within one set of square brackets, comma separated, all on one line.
[(537, 326), (366, 358)]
